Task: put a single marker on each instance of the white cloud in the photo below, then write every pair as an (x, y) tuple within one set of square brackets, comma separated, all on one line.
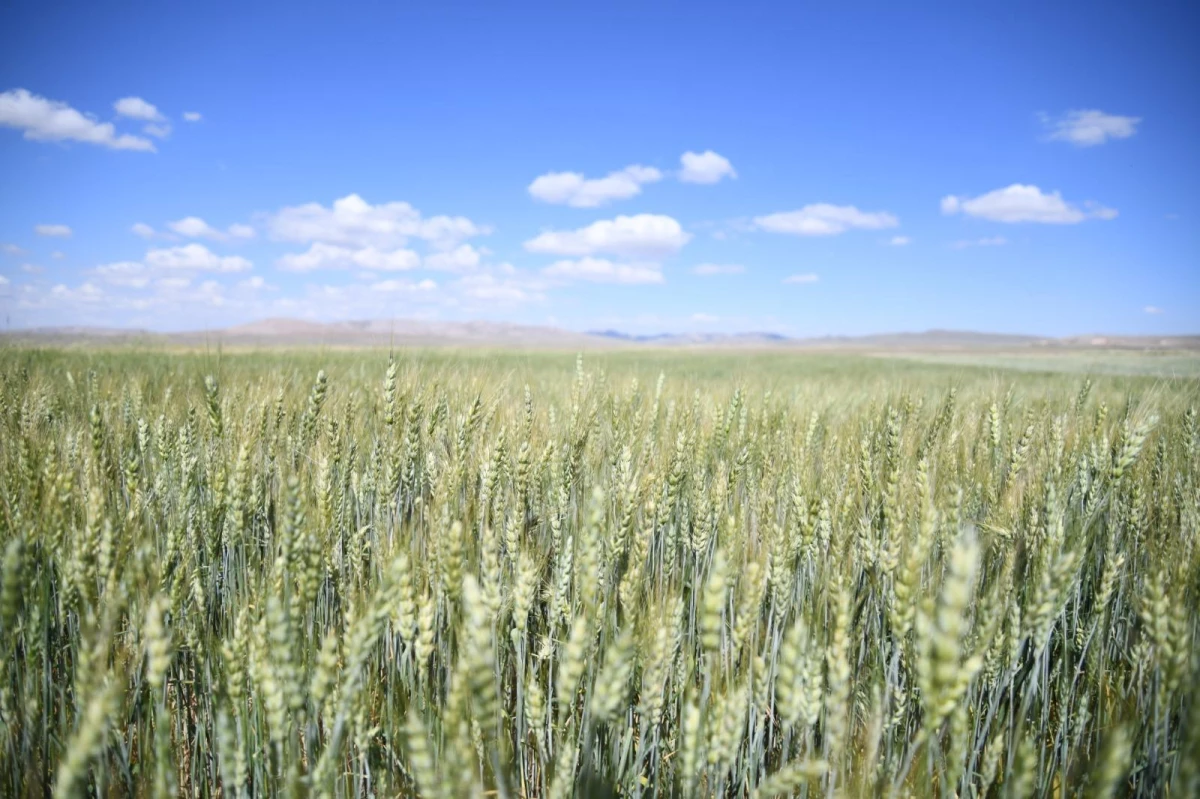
[(1022, 203), (58, 255), (192, 116), (406, 286), (252, 283), (648, 235), (601, 270), (11, 249), (124, 273), (157, 130), (354, 222), (50, 120), (137, 108), (718, 269), (173, 283), (237, 231), (330, 256), (1087, 128), (986, 241), (53, 231), (4, 281), (705, 318), (143, 230), (824, 219), (32, 269), (803, 279), (462, 258), (198, 257), (900, 241), (194, 228), (705, 167), (573, 189), (1153, 310), (490, 288)]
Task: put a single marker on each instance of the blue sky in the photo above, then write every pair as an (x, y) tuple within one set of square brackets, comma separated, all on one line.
[(801, 168)]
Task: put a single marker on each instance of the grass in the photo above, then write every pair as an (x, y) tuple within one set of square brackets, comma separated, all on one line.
[(642, 573)]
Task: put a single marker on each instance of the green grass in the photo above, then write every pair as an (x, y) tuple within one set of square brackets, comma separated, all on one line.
[(646, 573)]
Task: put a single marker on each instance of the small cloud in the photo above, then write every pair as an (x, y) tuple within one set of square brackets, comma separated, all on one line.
[(53, 231), (32, 269), (192, 116), (3, 280), (156, 130), (718, 269), (193, 227), (58, 255), (406, 286), (803, 279), (254, 283), (137, 108), (1153, 310), (602, 270), (705, 167), (1087, 128), (143, 230), (900, 241), (573, 189), (236, 231), (705, 318), (824, 219), (1025, 203), (645, 235), (11, 249), (987, 241)]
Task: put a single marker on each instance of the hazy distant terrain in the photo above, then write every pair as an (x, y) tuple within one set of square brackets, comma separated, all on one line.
[(1033, 352)]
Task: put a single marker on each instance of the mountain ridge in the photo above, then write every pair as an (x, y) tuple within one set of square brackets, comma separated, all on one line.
[(285, 331)]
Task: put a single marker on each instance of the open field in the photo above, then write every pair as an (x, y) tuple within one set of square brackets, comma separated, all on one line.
[(1174, 363), (645, 572)]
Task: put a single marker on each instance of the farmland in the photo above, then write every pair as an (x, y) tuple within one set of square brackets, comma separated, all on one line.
[(642, 573)]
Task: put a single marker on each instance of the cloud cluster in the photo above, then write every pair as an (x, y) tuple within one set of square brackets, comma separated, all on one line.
[(196, 257), (354, 222), (333, 256), (193, 227), (41, 119), (1025, 203), (578, 191)]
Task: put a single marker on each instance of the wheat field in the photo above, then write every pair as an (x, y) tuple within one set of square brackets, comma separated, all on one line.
[(628, 574)]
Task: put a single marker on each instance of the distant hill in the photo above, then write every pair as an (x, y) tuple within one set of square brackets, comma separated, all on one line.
[(413, 332)]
